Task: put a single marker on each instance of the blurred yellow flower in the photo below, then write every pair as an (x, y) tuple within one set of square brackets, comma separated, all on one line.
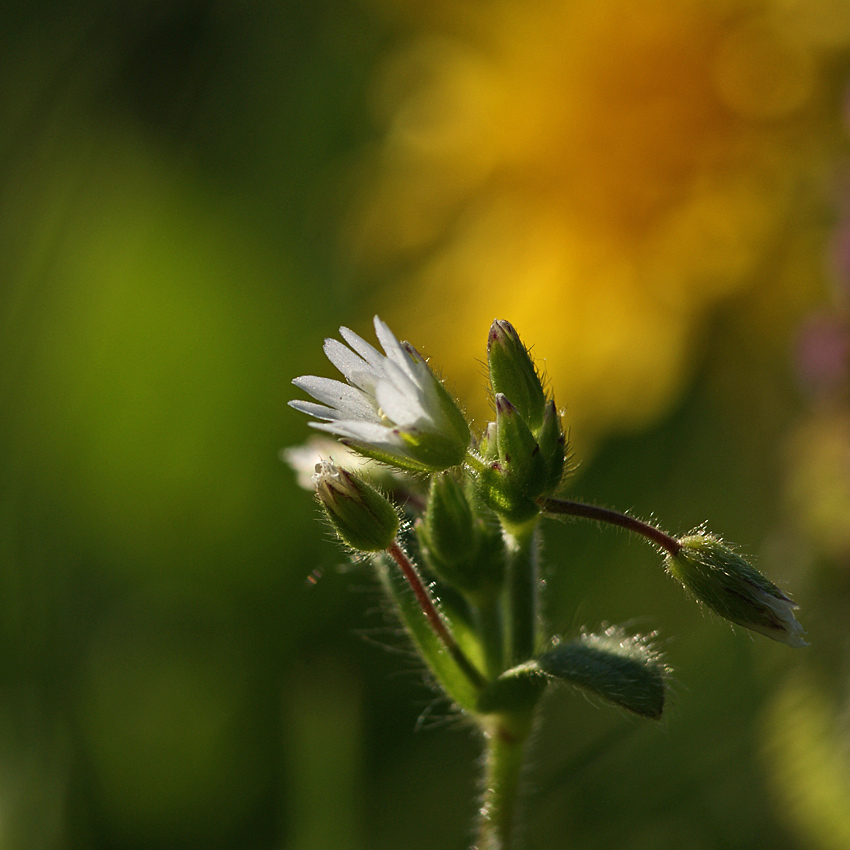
[(600, 172)]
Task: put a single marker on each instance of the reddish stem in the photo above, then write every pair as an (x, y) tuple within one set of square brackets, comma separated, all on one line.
[(429, 609), (579, 509)]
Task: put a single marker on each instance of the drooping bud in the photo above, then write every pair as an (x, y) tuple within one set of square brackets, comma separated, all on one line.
[(363, 518), (720, 578), (513, 373), (622, 669)]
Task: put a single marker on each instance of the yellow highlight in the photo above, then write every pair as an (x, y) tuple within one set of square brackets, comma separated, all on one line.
[(603, 174), (810, 770)]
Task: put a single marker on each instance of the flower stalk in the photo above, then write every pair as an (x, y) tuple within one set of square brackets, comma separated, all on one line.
[(564, 507)]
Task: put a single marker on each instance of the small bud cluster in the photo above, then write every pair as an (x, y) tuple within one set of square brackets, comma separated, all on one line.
[(526, 447), (468, 510)]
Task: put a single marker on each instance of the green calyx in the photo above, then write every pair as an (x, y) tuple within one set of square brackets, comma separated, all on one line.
[(363, 518), (553, 448)]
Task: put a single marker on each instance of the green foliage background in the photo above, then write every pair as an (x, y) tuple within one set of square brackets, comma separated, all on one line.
[(172, 179)]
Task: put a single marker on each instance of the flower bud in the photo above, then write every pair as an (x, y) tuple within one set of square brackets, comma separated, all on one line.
[(461, 548), (720, 578), (511, 483), (522, 462), (512, 373), (448, 524), (363, 518)]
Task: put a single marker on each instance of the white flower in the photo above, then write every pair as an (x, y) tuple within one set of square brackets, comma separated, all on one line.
[(392, 408)]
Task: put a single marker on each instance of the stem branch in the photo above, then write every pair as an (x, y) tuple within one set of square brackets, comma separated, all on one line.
[(580, 509)]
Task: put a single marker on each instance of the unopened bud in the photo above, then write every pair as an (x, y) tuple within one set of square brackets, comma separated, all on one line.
[(363, 518), (520, 457), (448, 522), (519, 474), (720, 578), (513, 373), (461, 547)]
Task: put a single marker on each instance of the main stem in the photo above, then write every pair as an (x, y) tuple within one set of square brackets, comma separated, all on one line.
[(565, 507), (504, 755), (520, 602), (487, 616)]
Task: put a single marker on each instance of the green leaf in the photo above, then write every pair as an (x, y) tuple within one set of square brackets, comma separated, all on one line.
[(621, 669)]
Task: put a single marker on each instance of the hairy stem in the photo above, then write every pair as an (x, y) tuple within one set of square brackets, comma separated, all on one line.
[(565, 507), (505, 751), (520, 603), (429, 609), (487, 615)]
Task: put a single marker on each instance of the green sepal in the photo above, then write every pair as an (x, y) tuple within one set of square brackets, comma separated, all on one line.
[(442, 666), (517, 690), (513, 373), (511, 483), (428, 452), (503, 497), (520, 457), (621, 669)]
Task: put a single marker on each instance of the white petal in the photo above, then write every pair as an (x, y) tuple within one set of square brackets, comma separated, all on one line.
[(400, 404), (371, 355), (392, 346), (378, 436), (319, 411), (366, 381), (344, 358), (349, 401)]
